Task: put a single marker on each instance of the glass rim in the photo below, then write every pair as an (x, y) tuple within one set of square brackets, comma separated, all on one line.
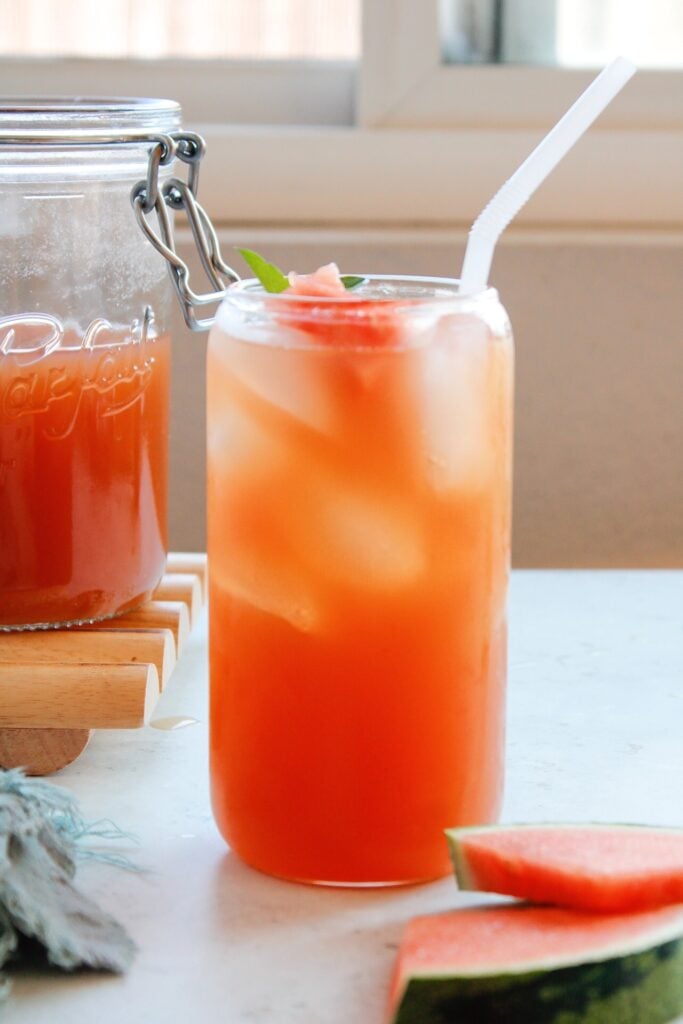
[(61, 117), (247, 310), (251, 290)]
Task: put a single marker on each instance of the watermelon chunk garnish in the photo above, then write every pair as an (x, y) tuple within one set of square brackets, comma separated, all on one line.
[(348, 322), (322, 306), (325, 282)]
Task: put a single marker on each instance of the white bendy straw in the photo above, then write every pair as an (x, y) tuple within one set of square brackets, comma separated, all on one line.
[(511, 197)]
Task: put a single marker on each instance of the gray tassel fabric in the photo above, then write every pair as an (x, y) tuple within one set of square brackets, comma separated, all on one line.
[(40, 830)]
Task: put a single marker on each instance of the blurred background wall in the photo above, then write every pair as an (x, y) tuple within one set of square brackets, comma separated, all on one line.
[(598, 322)]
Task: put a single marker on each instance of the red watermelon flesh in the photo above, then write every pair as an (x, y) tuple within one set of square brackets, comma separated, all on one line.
[(351, 322), (482, 945), (611, 868), (325, 281)]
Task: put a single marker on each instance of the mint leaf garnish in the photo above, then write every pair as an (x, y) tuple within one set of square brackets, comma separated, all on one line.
[(349, 281), (270, 276)]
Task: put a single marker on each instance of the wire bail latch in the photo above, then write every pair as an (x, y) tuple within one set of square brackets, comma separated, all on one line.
[(149, 195)]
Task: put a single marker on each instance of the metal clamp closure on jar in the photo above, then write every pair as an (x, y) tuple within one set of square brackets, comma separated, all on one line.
[(149, 196)]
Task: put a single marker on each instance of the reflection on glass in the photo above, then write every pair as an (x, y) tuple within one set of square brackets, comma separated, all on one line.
[(567, 33)]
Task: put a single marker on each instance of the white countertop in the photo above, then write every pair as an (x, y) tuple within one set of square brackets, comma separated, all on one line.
[(595, 727)]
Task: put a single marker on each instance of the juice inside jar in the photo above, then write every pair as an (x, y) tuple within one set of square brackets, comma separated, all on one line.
[(83, 471), (358, 553)]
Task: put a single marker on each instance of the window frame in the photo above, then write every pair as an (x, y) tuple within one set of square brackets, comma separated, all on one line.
[(401, 140), (220, 92), (405, 84)]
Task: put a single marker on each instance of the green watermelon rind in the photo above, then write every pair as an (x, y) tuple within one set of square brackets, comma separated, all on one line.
[(643, 987), (466, 877)]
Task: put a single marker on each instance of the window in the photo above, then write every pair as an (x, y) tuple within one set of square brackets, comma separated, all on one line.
[(302, 135), (226, 61), (288, 29), (564, 33), (411, 83)]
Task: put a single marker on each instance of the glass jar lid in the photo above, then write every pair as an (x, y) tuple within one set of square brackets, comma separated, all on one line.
[(48, 141), (61, 119)]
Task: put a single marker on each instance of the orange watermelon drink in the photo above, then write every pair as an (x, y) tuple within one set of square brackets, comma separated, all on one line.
[(359, 519), (83, 470)]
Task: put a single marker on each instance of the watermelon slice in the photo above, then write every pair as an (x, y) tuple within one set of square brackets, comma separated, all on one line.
[(325, 281), (352, 323), (608, 868), (519, 964)]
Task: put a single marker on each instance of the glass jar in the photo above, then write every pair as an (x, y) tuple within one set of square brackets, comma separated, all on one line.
[(359, 474), (84, 362)]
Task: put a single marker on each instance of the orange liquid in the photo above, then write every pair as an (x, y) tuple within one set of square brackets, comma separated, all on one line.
[(83, 479), (358, 552)]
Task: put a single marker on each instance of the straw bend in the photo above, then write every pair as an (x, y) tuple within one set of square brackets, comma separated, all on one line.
[(519, 188)]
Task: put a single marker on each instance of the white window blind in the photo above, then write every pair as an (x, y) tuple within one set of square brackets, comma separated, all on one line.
[(276, 29)]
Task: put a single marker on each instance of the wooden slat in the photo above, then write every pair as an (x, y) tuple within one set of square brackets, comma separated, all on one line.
[(171, 615), (41, 751), (76, 696), (192, 562), (185, 587), (56, 686), (156, 647)]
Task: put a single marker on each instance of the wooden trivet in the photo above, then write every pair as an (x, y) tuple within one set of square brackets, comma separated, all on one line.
[(58, 685)]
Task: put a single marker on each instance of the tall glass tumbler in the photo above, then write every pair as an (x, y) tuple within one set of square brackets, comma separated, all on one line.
[(359, 531)]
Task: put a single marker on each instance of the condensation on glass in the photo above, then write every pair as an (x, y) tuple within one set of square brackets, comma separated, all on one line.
[(84, 363)]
